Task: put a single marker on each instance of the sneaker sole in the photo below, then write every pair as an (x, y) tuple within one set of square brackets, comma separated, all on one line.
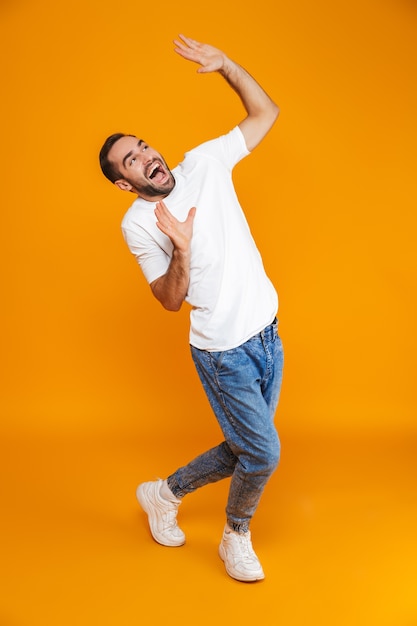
[(240, 577)]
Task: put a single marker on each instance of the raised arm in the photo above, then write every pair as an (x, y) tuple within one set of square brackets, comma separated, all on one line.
[(171, 288), (261, 110)]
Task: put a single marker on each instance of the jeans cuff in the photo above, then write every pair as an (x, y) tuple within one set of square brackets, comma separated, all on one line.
[(238, 527)]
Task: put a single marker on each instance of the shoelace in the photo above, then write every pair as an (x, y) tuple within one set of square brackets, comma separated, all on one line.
[(170, 515), (245, 548)]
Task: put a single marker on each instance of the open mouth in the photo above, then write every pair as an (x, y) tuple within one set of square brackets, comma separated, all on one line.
[(156, 171)]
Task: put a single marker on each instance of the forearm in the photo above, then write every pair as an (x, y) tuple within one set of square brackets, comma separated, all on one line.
[(171, 288), (255, 100), (262, 111)]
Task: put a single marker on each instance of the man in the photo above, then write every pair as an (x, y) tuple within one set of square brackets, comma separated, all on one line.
[(192, 241)]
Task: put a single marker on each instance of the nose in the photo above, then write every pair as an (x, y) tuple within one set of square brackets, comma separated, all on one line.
[(147, 158)]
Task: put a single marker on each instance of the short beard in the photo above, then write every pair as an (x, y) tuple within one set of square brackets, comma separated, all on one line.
[(155, 191)]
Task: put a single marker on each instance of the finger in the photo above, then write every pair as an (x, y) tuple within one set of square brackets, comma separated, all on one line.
[(187, 53), (185, 44), (161, 209), (190, 42), (163, 229), (162, 220), (206, 69), (184, 53), (191, 213), (188, 48), (180, 45)]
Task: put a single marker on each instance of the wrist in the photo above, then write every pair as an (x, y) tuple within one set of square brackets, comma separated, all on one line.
[(182, 254), (228, 67)]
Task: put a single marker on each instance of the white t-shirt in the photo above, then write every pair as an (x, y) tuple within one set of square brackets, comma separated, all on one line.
[(231, 296)]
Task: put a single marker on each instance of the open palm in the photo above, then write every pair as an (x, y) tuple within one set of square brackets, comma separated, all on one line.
[(210, 58)]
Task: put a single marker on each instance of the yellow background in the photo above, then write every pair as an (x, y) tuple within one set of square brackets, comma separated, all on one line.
[(98, 390)]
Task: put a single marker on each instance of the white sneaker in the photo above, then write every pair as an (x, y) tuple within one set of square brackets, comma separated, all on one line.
[(239, 557), (162, 514)]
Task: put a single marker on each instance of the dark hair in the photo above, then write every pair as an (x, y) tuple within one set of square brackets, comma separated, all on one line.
[(108, 168)]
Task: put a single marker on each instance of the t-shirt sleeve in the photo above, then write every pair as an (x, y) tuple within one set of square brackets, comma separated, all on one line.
[(152, 258), (229, 149)]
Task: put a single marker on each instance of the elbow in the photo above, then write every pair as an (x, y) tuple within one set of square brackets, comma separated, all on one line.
[(169, 300), (172, 304), (270, 116), (174, 307)]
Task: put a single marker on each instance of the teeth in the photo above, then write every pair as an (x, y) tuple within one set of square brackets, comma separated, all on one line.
[(152, 170)]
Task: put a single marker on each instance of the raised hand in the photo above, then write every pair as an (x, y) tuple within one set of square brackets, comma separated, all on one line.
[(260, 108), (171, 288), (180, 233), (210, 58)]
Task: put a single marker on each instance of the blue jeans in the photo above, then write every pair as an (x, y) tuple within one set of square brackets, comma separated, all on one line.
[(243, 386)]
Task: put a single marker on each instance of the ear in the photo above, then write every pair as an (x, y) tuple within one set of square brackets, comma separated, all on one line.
[(123, 184)]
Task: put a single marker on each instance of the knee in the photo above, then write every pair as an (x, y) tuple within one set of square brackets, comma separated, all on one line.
[(272, 458), (266, 459)]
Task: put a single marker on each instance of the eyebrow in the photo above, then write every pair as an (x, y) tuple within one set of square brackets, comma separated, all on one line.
[(129, 154)]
